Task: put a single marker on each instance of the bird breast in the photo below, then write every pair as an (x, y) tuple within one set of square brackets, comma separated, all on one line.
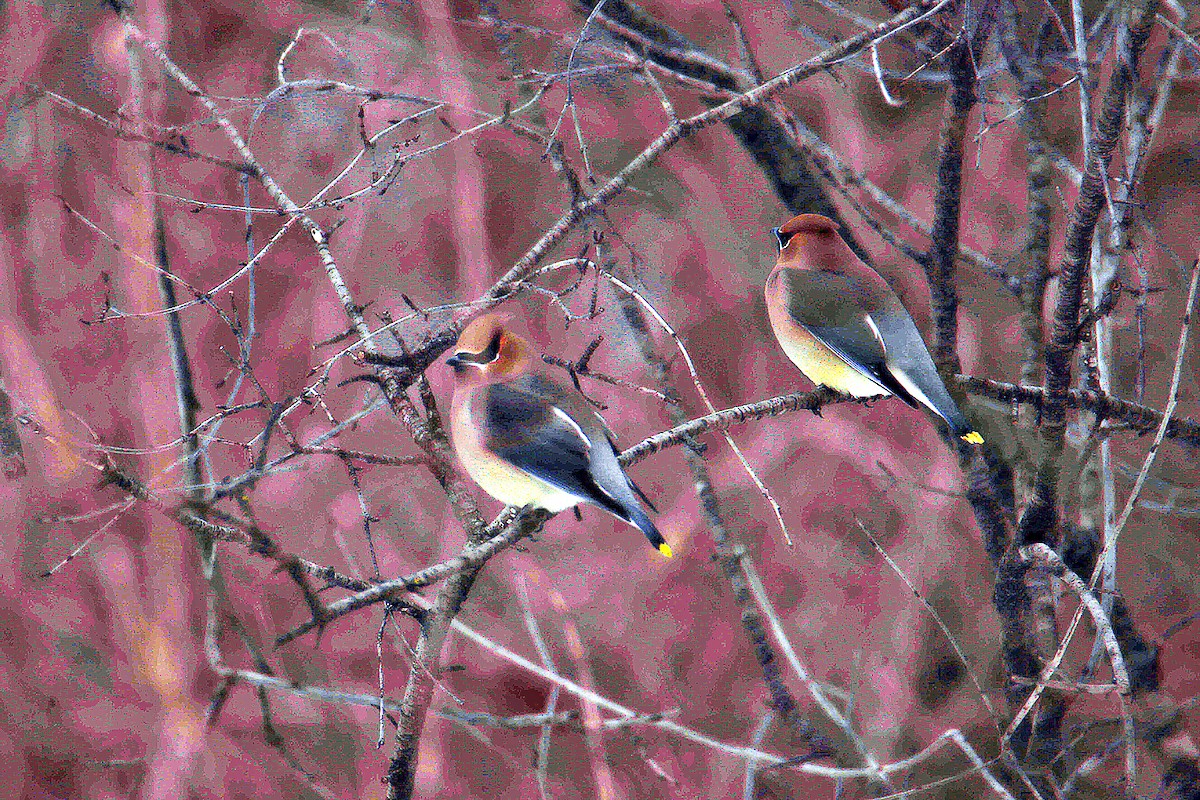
[(499, 478), (817, 361)]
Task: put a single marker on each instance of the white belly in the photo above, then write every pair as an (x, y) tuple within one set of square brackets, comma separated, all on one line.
[(497, 477), (825, 367)]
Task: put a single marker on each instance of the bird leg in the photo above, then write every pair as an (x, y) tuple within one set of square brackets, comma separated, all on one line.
[(867, 401), (816, 410)]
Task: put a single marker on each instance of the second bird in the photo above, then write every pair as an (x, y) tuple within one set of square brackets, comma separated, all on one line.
[(843, 326), (528, 441)]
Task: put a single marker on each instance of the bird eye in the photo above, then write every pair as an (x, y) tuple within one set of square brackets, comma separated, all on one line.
[(782, 237)]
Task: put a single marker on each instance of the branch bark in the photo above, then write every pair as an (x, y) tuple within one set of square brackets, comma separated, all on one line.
[(1041, 515), (939, 263)]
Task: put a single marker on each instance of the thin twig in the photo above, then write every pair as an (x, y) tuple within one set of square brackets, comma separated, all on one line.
[(815, 690), (751, 766), (661, 722), (542, 762), (570, 101), (724, 543), (687, 360), (937, 618), (1081, 58)]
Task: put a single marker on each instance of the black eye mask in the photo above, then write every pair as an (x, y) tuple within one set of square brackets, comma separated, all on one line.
[(781, 237), (490, 354)]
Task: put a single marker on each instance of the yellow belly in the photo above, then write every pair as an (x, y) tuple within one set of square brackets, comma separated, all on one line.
[(820, 364), (497, 477)]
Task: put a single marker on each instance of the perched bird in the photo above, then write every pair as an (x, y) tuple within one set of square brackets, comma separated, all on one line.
[(843, 326), (528, 441)]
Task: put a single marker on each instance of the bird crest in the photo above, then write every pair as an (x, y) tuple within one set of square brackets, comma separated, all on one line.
[(808, 225)]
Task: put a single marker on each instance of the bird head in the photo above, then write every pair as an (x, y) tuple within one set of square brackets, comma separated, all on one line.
[(811, 241), (808, 227), (488, 352)]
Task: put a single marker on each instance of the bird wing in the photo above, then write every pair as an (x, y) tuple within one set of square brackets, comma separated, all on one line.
[(910, 364), (616, 448), (529, 430), (836, 311)]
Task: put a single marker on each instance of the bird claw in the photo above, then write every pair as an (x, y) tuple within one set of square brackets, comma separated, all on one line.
[(816, 410)]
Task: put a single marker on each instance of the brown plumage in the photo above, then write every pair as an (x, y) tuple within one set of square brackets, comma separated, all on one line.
[(527, 440), (838, 321)]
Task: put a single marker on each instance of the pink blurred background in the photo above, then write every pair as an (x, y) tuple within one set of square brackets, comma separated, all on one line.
[(104, 683)]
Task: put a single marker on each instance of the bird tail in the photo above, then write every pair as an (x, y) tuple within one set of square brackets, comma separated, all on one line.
[(959, 425), (933, 395), (638, 518)]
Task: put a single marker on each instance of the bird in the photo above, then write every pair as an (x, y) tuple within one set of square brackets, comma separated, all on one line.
[(526, 440), (837, 319)]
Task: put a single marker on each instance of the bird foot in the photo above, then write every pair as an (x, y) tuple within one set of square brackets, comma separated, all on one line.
[(816, 410), (869, 401)]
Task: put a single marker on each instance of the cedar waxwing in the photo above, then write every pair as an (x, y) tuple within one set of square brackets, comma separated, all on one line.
[(528, 441), (843, 326)]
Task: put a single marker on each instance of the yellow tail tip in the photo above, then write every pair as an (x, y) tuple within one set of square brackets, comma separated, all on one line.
[(665, 549), (973, 437)]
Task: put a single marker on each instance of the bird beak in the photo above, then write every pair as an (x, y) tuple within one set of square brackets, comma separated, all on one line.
[(457, 362), (779, 237)]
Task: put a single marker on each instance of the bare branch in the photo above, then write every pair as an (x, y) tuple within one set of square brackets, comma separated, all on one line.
[(939, 265), (1139, 418)]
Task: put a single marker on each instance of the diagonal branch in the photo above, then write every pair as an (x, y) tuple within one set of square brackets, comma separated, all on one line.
[(681, 129), (727, 549)]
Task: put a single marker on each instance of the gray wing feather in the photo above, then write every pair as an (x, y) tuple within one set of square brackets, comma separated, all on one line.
[(908, 356), (528, 427), (525, 430), (896, 357), (830, 307)]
